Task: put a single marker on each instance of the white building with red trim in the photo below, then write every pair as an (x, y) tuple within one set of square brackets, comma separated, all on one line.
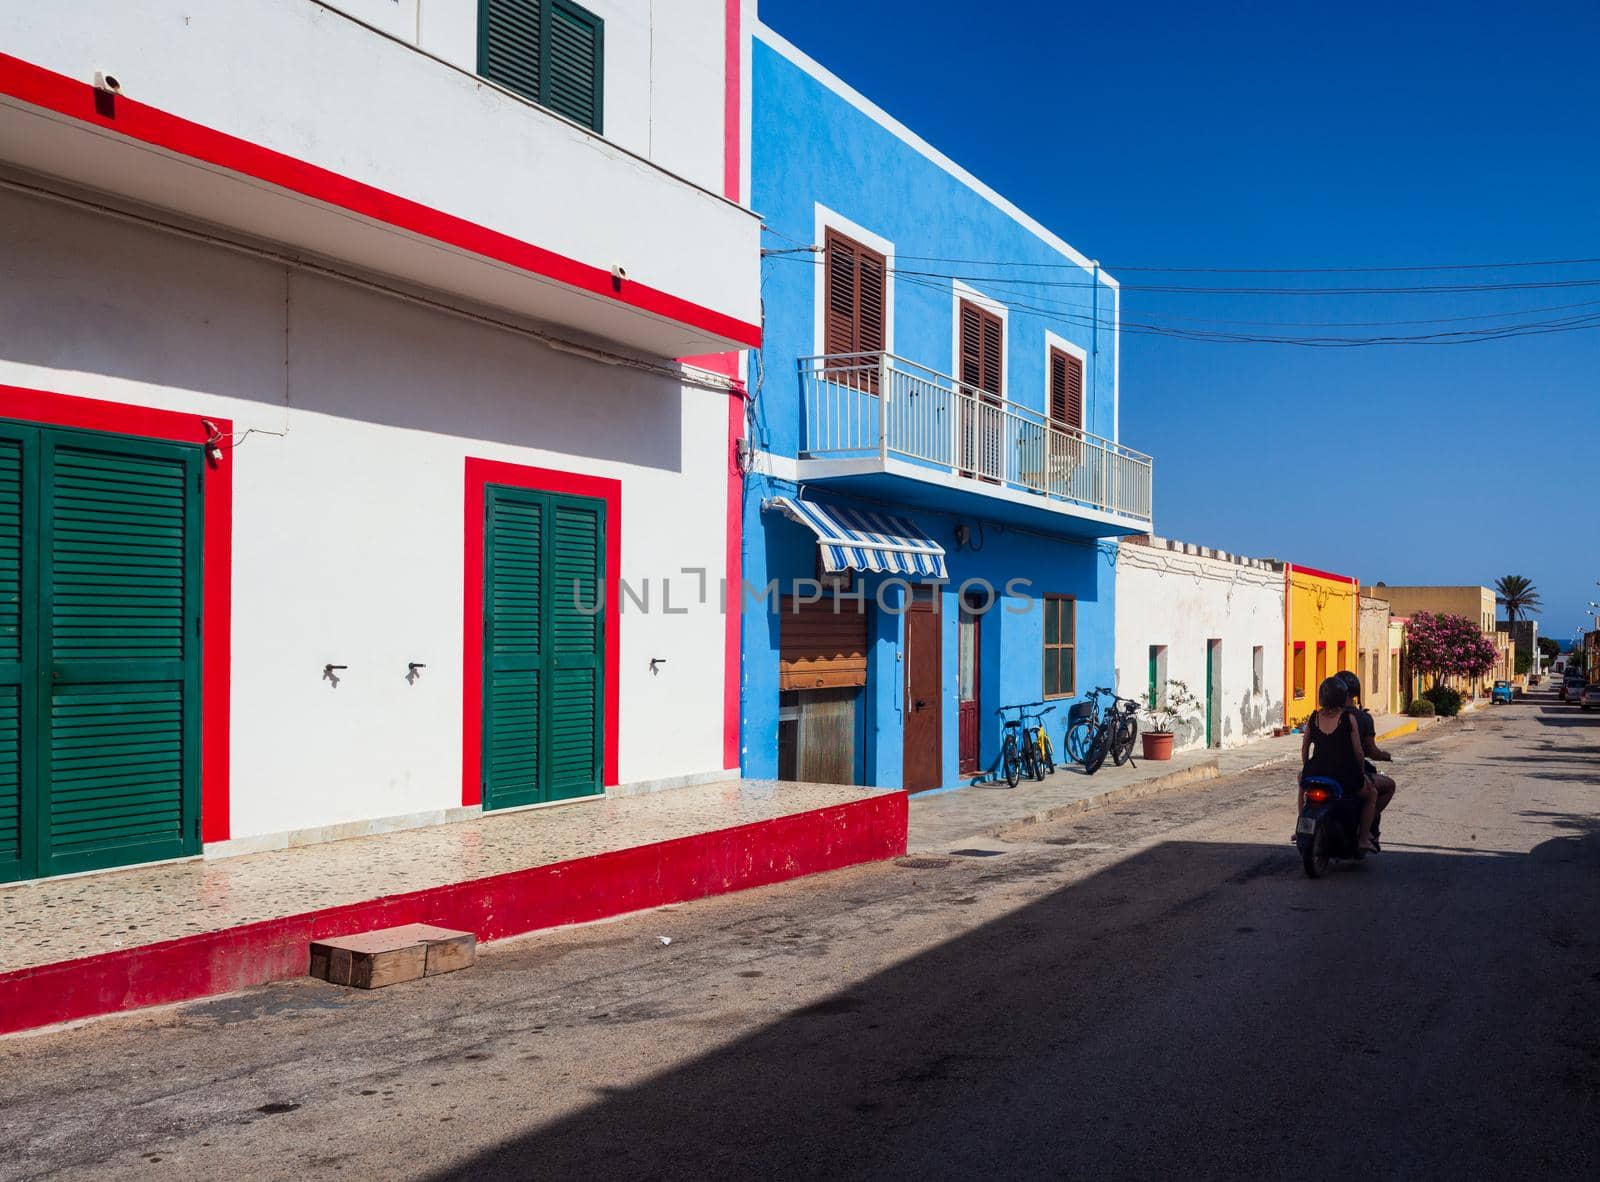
[(296, 298)]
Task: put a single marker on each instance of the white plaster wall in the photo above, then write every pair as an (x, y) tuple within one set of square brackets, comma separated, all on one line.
[(664, 69), (348, 528), (301, 78), (1182, 601)]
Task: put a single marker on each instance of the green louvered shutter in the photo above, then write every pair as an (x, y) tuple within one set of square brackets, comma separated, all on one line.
[(16, 664), (550, 51), (574, 71), (544, 640), (576, 647), (509, 44), (120, 620), (515, 622)]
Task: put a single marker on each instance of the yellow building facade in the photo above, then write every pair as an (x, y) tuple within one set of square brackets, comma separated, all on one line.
[(1321, 626)]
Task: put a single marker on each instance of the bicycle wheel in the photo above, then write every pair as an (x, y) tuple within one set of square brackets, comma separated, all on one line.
[(1009, 763), (1098, 747), (1047, 755), (1035, 763), (1078, 737), (1127, 732)]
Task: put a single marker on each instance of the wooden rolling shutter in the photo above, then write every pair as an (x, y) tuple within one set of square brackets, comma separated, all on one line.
[(575, 665), (550, 51), (820, 648), (1066, 390), (982, 348), (120, 613)]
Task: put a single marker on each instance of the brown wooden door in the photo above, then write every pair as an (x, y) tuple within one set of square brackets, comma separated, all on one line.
[(922, 701), (967, 709)]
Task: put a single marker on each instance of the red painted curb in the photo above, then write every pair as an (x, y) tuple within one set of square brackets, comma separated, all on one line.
[(494, 908)]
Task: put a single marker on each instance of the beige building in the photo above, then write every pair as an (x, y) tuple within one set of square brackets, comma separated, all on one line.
[(1472, 602), (1375, 654)]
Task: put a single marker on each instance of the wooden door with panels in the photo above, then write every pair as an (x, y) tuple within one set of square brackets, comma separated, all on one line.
[(923, 703)]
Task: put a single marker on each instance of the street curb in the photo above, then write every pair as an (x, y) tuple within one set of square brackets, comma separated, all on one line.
[(1405, 728), (1194, 774)]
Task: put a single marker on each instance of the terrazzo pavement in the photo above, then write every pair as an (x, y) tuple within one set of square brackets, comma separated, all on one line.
[(50, 920)]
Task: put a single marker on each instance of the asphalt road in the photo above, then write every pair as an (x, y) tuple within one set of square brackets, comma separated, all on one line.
[(1152, 991)]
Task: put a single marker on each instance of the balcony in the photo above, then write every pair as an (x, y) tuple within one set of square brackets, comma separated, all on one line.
[(884, 426)]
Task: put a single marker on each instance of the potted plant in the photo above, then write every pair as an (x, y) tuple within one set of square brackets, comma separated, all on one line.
[(1180, 707)]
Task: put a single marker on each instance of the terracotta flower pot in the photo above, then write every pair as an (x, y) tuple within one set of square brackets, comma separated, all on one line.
[(1157, 744)]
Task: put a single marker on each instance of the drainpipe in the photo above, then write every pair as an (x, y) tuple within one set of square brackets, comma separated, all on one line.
[(1094, 340)]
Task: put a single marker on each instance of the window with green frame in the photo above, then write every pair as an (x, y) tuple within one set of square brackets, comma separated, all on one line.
[(550, 51), (1060, 646)]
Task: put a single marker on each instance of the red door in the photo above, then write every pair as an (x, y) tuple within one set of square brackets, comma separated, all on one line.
[(967, 711), (922, 731)]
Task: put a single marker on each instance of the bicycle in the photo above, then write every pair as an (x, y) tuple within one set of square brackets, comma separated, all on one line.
[(1039, 736), (1092, 734), (1019, 749)]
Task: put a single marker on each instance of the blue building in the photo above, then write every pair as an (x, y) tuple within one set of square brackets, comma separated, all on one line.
[(934, 482)]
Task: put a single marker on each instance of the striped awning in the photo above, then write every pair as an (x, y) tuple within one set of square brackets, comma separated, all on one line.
[(856, 539)]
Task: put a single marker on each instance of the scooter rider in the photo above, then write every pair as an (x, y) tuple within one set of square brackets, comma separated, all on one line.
[(1332, 748), (1383, 784)]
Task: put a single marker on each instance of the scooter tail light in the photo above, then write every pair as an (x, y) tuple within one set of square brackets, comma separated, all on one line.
[(1317, 795)]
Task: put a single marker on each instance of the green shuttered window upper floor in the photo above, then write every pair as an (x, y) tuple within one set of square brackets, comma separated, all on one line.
[(550, 51)]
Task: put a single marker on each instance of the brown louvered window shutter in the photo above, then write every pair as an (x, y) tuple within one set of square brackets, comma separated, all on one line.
[(853, 280), (1066, 390), (982, 349)]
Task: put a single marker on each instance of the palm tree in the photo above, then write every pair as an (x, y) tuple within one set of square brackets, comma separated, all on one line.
[(1518, 596)]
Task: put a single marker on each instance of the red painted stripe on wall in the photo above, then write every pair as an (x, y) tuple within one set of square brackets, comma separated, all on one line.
[(479, 474), (216, 591), (493, 908), (43, 88), (1290, 568)]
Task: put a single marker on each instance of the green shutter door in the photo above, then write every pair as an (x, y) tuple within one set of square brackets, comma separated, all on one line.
[(99, 650), (542, 650), (514, 623), (574, 68), (18, 460), (575, 672)]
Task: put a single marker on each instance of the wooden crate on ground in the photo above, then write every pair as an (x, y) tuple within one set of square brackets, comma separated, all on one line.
[(371, 960)]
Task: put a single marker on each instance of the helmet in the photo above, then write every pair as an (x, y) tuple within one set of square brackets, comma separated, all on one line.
[(1351, 683), (1332, 694)]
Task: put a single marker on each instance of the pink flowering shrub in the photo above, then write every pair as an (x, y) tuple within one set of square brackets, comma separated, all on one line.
[(1448, 646)]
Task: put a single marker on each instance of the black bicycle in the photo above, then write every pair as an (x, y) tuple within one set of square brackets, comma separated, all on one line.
[(1021, 751), (1092, 733)]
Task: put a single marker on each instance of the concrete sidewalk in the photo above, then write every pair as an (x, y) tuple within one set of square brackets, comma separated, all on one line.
[(947, 819)]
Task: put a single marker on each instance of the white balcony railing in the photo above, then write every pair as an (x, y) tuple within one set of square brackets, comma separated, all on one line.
[(875, 404)]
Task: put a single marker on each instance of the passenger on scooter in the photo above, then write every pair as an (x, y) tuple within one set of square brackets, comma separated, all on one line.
[(1332, 748), (1369, 743)]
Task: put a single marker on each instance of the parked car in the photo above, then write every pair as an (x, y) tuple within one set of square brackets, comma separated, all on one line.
[(1571, 688), (1589, 696), (1502, 692)]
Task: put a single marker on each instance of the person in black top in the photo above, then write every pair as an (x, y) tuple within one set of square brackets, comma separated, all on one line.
[(1384, 785), (1332, 748)]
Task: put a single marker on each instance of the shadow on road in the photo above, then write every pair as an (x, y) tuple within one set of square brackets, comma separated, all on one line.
[(1187, 1012)]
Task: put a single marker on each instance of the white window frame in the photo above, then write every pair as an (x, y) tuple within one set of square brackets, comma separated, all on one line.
[(826, 219)]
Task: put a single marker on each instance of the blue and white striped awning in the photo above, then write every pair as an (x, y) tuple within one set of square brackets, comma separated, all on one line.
[(855, 539)]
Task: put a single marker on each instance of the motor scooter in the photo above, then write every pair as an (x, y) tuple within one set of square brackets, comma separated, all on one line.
[(1329, 826)]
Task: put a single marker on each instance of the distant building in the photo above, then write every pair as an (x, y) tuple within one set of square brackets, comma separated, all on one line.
[(1525, 635), (1209, 619), (1475, 603), (1320, 625), (1375, 654)]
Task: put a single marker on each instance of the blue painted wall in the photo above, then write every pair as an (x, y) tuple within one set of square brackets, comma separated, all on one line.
[(811, 147)]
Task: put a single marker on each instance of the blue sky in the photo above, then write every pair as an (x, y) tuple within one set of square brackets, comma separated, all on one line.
[(1303, 135)]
